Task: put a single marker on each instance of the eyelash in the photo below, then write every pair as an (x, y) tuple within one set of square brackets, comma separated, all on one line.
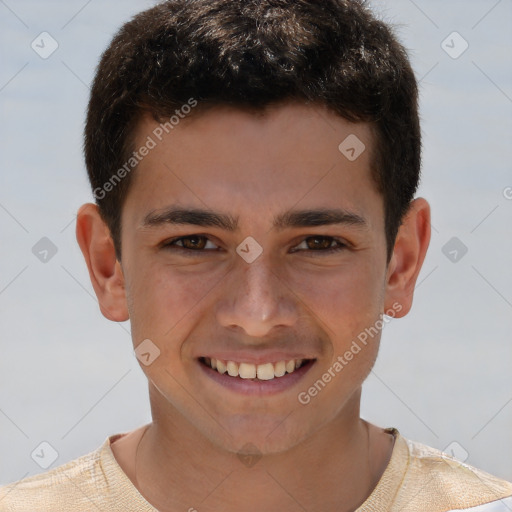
[(170, 245)]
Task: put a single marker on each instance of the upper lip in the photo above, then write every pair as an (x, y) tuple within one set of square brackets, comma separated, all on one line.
[(241, 356)]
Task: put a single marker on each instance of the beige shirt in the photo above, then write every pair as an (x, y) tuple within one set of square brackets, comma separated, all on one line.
[(417, 479)]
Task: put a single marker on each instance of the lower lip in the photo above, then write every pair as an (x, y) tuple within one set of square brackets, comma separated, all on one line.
[(256, 386)]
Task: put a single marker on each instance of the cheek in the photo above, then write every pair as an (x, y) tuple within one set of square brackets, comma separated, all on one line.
[(345, 299), (163, 300)]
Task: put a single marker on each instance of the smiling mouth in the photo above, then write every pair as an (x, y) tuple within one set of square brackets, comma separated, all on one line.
[(265, 371)]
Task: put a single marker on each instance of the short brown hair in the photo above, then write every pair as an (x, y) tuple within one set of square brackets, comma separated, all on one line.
[(251, 54)]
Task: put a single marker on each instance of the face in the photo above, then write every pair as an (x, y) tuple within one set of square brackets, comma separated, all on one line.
[(252, 242)]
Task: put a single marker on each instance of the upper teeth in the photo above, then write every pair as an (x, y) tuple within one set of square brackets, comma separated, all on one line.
[(266, 371)]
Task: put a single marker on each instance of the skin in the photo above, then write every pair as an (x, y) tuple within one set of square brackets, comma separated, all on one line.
[(319, 456)]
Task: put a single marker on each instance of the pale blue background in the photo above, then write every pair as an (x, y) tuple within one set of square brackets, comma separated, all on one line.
[(69, 377)]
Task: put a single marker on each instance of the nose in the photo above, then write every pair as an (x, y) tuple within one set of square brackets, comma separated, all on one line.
[(256, 298)]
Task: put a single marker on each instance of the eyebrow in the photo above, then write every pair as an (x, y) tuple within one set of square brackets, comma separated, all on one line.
[(288, 219)]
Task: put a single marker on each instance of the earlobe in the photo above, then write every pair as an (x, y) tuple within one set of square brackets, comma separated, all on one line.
[(409, 252), (95, 241)]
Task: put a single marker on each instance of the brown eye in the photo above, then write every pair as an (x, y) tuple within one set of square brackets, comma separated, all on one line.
[(194, 242), (319, 242), (321, 245), (191, 243)]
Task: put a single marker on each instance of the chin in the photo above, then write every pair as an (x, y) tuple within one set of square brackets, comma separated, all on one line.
[(263, 435)]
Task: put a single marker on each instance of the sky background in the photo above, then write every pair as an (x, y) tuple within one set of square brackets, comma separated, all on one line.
[(68, 376)]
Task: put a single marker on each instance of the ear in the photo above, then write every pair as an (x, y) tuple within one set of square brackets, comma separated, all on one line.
[(409, 253), (95, 241)]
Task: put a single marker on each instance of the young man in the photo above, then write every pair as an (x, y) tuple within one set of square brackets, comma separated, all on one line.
[(254, 165)]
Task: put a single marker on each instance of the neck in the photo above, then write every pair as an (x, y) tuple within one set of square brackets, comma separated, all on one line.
[(177, 467)]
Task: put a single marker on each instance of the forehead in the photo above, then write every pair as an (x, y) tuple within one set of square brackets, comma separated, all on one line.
[(227, 158)]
